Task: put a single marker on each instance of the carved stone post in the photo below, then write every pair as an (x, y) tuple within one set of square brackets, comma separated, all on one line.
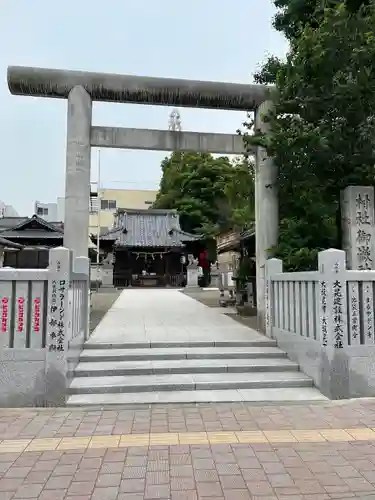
[(77, 183), (358, 227), (192, 273), (58, 328), (266, 211)]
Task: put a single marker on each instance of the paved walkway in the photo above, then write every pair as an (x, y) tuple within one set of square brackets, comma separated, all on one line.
[(212, 452), (166, 315)]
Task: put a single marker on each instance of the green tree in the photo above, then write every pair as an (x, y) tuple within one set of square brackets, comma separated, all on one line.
[(323, 126), (292, 17), (209, 193), (240, 193)]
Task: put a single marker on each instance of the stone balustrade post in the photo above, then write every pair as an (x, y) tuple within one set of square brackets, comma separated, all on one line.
[(272, 267), (332, 306), (58, 327)]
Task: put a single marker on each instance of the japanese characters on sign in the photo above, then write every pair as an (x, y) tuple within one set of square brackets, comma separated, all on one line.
[(364, 223), (57, 320), (354, 314), (36, 314), (57, 315), (52, 321), (358, 237), (4, 314), (323, 307), (21, 314), (369, 311), (338, 319), (61, 321)]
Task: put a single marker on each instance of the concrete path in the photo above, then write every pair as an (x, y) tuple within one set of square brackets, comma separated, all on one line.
[(167, 315)]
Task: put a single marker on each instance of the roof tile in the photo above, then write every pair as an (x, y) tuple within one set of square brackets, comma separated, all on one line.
[(148, 228)]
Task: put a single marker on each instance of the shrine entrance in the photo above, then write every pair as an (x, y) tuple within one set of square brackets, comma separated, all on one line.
[(148, 267), (82, 88)]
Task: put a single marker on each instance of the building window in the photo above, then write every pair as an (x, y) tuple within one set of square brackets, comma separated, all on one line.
[(108, 204), (149, 202), (42, 211)]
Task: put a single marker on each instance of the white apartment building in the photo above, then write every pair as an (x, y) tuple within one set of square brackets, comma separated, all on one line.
[(7, 210), (51, 212), (47, 211)]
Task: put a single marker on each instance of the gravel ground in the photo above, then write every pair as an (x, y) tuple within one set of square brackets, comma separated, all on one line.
[(207, 297), (211, 298)]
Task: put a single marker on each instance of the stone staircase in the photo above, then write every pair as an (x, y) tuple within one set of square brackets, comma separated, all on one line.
[(187, 372)]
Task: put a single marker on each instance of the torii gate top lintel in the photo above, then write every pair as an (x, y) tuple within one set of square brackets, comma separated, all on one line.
[(82, 88), (57, 83)]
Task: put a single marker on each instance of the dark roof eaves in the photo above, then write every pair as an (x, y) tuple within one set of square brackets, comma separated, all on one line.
[(147, 211), (10, 244), (41, 221)]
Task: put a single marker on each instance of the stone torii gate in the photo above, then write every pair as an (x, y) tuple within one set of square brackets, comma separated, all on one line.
[(81, 88)]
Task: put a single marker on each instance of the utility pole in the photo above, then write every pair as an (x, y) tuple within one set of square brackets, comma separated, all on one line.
[(95, 207), (98, 219)]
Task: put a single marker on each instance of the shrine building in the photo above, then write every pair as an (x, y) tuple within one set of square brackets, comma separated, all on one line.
[(149, 248)]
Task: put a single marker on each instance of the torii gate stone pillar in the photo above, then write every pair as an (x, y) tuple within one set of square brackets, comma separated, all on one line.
[(77, 182), (82, 87), (266, 210)]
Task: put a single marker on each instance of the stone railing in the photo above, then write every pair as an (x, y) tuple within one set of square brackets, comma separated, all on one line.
[(44, 323), (324, 320)]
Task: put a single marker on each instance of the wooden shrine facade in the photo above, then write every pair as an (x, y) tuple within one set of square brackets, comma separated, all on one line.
[(149, 248)]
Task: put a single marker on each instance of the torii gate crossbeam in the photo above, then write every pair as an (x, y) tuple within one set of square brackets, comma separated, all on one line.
[(81, 88)]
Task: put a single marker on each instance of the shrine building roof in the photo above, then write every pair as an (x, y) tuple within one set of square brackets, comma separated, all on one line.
[(148, 228)]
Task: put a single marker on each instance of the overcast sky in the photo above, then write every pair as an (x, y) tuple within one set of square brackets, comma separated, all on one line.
[(197, 39)]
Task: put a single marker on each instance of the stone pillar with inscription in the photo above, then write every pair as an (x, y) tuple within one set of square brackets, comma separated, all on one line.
[(58, 314), (332, 307), (266, 211), (358, 225), (77, 181), (332, 331)]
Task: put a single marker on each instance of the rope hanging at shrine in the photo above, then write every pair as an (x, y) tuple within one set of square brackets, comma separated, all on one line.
[(151, 254)]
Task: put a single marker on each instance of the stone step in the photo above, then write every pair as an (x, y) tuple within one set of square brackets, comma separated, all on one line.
[(131, 368), (188, 382), (260, 396), (262, 342), (180, 353)]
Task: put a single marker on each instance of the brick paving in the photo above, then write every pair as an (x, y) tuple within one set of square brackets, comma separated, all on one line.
[(213, 452)]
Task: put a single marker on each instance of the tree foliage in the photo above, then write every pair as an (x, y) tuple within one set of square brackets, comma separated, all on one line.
[(240, 193), (323, 125), (292, 17), (210, 194)]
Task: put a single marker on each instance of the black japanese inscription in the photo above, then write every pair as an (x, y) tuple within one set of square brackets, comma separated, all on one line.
[(323, 304), (354, 314), (338, 319), (364, 235), (369, 312)]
